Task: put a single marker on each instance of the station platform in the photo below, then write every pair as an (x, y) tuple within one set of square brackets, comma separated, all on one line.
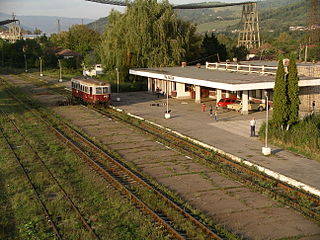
[(230, 134)]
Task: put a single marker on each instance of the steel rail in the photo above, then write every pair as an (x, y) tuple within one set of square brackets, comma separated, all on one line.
[(102, 171), (187, 146), (201, 152), (43, 206), (66, 195)]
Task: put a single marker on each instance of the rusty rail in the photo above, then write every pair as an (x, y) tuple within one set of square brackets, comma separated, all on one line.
[(120, 170), (201, 152), (55, 180)]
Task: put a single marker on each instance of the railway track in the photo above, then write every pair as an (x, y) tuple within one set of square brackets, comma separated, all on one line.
[(292, 196), (163, 210), (287, 194), (52, 178)]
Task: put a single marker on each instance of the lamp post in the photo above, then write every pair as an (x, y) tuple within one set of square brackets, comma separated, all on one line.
[(118, 85), (24, 49), (40, 62), (25, 63), (266, 150), (60, 71), (167, 114)]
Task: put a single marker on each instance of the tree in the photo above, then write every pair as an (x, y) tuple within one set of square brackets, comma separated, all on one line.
[(148, 34), (280, 98), (37, 31), (213, 51), (79, 38), (240, 52), (293, 93), (82, 39)]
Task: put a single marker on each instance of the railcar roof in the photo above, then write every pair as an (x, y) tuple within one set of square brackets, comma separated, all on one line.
[(91, 82)]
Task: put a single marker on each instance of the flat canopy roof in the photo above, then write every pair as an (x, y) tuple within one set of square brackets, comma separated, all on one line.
[(220, 79)]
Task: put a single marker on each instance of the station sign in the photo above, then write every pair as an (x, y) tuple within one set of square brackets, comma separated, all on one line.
[(169, 77)]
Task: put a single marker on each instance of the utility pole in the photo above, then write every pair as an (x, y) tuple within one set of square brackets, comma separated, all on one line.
[(59, 26)]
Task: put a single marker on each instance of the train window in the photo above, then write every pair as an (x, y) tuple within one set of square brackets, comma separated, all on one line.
[(105, 90), (98, 90)]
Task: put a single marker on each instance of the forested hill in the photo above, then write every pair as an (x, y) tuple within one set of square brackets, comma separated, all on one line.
[(274, 15)]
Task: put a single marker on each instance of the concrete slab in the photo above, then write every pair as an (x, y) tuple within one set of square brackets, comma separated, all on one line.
[(230, 134)]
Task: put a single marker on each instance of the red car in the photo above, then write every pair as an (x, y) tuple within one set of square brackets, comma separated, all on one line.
[(226, 101)]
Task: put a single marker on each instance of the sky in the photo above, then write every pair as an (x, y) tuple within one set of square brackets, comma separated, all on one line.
[(70, 8)]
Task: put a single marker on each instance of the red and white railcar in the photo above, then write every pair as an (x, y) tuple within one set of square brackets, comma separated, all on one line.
[(91, 91)]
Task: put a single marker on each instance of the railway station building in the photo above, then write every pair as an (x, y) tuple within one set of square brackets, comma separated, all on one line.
[(248, 82)]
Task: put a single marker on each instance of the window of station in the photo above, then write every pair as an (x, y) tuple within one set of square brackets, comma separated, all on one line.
[(188, 87), (105, 90), (98, 90)]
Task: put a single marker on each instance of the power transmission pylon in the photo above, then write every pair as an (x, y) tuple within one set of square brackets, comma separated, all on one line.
[(313, 21), (250, 35), (14, 31)]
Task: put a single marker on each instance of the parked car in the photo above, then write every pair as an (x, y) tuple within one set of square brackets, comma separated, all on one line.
[(252, 106), (224, 102)]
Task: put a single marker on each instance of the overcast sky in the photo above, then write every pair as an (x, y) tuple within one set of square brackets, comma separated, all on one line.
[(70, 8)]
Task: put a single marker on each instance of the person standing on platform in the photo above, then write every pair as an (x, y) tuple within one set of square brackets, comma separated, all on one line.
[(216, 115), (253, 127), (204, 107), (210, 110), (158, 92), (313, 106)]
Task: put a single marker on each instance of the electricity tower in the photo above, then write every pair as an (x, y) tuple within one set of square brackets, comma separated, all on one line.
[(249, 36), (14, 30)]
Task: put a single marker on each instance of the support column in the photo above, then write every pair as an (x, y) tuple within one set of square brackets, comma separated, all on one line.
[(198, 94), (219, 95), (245, 101), (227, 94), (150, 85)]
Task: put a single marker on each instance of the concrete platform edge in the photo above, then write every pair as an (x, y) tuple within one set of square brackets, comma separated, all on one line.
[(267, 171)]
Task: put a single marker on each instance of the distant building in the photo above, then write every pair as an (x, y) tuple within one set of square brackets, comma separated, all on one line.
[(96, 70), (67, 53)]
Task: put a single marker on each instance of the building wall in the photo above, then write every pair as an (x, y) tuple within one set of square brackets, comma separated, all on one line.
[(307, 95), (181, 92), (309, 71)]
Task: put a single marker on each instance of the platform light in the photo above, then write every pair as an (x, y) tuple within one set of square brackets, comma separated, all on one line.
[(60, 71), (40, 62), (118, 85), (167, 114), (266, 150)]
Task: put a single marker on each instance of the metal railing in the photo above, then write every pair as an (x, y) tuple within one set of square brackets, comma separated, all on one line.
[(244, 68)]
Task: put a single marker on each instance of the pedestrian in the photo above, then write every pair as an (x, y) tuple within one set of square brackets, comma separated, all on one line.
[(204, 107), (210, 110), (216, 115), (158, 92), (253, 127), (313, 106)]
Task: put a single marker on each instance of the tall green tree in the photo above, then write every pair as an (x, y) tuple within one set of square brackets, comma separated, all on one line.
[(148, 34), (293, 93), (213, 51), (280, 98)]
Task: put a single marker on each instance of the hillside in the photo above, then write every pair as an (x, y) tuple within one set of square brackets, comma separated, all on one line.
[(46, 24), (274, 15)]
